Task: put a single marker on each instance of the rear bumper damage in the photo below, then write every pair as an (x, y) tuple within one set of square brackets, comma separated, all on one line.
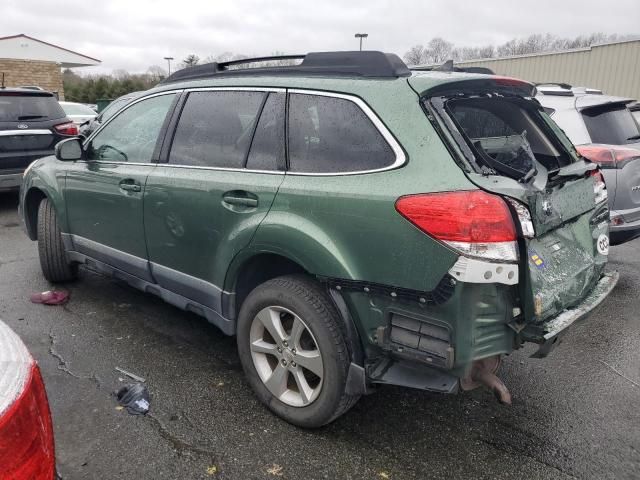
[(549, 333)]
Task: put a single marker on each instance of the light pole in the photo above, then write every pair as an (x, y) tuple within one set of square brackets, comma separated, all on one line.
[(168, 59), (361, 36)]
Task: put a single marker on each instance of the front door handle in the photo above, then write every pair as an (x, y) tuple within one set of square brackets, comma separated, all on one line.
[(240, 198), (130, 185)]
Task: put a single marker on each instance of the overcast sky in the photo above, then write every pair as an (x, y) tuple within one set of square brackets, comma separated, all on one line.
[(134, 34)]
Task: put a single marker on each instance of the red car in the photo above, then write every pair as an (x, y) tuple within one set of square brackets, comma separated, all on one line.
[(26, 431)]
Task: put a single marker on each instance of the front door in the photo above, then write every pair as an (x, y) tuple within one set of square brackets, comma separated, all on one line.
[(202, 207), (104, 193)]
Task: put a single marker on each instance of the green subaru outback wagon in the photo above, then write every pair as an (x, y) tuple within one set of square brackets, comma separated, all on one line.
[(350, 221)]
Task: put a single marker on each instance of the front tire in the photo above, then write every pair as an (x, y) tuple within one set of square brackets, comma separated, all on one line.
[(294, 352), (53, 258)]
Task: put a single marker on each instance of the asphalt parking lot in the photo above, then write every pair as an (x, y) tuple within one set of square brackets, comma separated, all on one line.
[(574, 414)]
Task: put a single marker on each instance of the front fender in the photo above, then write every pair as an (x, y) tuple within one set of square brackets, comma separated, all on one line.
[(45, 177)]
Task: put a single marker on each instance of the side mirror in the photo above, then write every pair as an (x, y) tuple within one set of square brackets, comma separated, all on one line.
[(69, 149)]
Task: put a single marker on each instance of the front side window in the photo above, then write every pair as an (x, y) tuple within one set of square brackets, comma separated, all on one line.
[(132, 135), (215, 129), (333, 135)]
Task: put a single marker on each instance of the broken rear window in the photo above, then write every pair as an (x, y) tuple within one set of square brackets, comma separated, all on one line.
[(506, 135)]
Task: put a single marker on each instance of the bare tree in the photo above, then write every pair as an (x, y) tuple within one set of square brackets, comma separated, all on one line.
[(415, 55), (439, 50), (156, 73), (190, 60)]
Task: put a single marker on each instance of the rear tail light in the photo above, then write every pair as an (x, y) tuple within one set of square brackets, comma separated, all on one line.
[(475, 223), (69, 128), (608, 156), (599, 187), (26, 433)]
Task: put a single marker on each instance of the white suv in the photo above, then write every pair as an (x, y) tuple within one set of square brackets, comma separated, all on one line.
[(603, 130)]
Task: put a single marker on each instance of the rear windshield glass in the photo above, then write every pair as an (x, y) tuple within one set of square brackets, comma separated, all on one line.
[(615, 126), (14, 108), (505, 136), (77, 109)]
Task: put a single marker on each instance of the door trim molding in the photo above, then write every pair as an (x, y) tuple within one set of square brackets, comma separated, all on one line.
[(179, 289)]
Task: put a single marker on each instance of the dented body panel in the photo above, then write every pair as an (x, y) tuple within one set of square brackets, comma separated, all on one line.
[(416, 304)]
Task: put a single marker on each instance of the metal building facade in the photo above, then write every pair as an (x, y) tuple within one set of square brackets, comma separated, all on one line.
[(613, 68)]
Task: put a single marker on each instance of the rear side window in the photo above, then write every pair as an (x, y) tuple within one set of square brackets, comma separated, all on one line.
[(333, 135), (615, 126), (215, 129), (15, 108), (267, 148)]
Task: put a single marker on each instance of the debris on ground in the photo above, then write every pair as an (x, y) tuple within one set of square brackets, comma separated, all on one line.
[(212, 470), (135, 398), (275, 470), (51, 297), (132, 376)]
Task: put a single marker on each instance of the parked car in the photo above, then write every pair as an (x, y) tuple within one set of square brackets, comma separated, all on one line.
[(352, 223), (26, 431), (604, 131), (31, 123), (88, 127), (635, 111), (78, 113)]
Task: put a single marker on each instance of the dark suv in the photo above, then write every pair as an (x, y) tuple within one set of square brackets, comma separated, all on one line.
[(31, 123), (351, 222)]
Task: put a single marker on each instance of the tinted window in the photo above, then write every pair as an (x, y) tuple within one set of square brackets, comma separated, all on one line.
[(215, 129), (267, 148), (328, 134), (133, 133), (24, 107), (614, 126)]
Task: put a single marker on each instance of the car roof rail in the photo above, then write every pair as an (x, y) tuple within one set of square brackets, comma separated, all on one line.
[(367, 64)]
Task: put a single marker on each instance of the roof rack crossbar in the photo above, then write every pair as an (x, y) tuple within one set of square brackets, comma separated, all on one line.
[(242, 61), (366, 64)]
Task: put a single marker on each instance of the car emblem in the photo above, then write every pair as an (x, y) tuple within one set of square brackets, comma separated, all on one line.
[(546, 208), (23, 125), (636, 188)]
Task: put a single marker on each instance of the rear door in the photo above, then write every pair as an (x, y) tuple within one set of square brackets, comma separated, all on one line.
[(103, 194), (514, 149), (223, 166)]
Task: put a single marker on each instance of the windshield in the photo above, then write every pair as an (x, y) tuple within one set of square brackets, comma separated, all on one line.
[(21, 107), (77, 109), (611, 125), (507, 135)]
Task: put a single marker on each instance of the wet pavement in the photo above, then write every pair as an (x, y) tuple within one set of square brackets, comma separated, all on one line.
[(575, 414)]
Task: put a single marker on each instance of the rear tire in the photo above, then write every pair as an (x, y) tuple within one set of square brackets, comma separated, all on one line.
[(53, 258), (295, 303)]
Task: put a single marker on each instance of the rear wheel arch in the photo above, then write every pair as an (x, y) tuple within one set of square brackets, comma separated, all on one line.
[(263, 267)]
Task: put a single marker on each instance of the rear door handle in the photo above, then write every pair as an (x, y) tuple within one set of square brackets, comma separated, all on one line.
[(240, 198), (130, 185)]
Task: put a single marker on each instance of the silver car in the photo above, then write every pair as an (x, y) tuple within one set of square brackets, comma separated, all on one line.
[(78, 113), (603, 130)]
